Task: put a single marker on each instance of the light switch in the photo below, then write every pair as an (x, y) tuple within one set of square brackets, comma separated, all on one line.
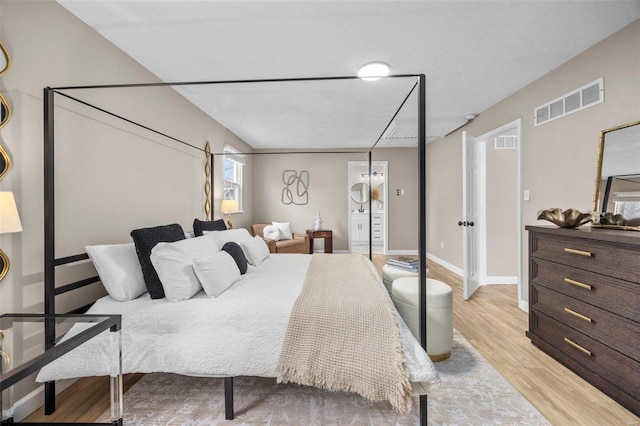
[(526, 196)]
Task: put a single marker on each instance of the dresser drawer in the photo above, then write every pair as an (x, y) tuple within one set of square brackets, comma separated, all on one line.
[(607, 363), (619, 333), (611, 294), (616, 260)]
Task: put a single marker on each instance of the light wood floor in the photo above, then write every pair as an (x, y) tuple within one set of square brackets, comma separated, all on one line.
[(491, 322)]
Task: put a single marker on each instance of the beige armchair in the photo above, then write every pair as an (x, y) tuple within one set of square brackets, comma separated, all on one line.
[(299, 243)]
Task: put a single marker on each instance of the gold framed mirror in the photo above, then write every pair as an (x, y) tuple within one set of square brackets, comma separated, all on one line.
[(5, 61), (616, 197)]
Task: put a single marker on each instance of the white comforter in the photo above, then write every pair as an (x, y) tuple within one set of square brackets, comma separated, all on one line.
[(239, 333)]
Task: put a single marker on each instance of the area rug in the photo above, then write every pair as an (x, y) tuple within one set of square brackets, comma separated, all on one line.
[(472, 393)]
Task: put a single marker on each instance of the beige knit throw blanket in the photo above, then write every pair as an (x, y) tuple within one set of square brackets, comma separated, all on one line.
[(343, 335)]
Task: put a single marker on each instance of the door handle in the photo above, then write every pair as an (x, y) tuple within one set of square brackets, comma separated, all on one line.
[(471, 223), (460, 223)]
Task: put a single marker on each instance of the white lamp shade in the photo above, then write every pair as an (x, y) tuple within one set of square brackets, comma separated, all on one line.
[(9, 219), (229, 206)]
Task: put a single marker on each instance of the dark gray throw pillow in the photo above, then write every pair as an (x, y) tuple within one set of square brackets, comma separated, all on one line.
[(211, 225), (236, 252), (145, 239)]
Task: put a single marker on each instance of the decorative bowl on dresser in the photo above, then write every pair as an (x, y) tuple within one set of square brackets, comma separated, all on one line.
[(584, 305)]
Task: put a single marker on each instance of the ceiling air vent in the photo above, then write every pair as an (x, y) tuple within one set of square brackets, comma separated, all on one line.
[(584, 97)]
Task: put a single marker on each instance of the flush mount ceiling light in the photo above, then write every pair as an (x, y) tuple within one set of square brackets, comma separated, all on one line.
[(373, 71)]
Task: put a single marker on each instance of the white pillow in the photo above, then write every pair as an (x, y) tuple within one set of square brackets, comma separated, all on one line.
[(173, 264), (119, 270), (255, 250), (236, 235), (271, 232), (285, 230), (216, 272)]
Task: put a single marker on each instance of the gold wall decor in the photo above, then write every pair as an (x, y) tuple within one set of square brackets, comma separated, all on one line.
[(5, 61), (207, 184), (5, 115), (5, 111), (5, 161)]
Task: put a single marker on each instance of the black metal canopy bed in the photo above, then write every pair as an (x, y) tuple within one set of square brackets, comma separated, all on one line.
[(267, 353)]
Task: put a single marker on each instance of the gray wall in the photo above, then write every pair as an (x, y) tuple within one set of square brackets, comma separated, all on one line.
[(328, 193), (502, 212), (558, 158), (110, 177)]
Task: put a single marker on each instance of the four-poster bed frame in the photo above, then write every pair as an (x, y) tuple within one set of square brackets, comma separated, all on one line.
[(51, 261)]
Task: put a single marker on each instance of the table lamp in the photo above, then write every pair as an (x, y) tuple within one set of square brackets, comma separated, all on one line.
[(229, 206), (9, 222)]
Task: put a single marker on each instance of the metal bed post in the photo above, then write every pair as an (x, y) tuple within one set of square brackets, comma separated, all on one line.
[(228, 398), (422, 229), (605, 199), (229, 413), (49, 240), (370, 209)]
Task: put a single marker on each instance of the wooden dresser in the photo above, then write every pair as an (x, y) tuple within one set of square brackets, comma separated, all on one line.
[(584, 305)]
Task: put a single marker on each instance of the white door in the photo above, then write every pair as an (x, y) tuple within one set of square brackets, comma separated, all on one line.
[(470, 223)]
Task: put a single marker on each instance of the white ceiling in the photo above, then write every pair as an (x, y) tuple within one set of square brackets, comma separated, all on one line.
[(473, 53)]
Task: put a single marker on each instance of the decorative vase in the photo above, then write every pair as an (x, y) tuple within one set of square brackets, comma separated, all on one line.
[(569, 218)]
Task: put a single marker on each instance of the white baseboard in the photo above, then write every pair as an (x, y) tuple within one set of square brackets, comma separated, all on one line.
[(445, 264), (34, 400), (499, 280), (524, 305)]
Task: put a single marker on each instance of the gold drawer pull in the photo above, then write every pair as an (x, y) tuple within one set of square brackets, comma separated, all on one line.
[(577, 283), (575, 314), (577, 346), (578, 252)]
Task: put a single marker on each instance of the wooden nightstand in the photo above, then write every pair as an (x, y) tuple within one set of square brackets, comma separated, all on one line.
[(326, 234)]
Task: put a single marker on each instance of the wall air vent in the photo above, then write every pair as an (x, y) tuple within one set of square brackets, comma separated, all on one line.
[(505, 142), (584, 97)]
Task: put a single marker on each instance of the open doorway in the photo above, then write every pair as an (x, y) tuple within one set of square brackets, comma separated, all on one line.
[(361, 186), (495, 256)]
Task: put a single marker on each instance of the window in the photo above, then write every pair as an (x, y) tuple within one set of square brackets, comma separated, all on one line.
[(233, 165)]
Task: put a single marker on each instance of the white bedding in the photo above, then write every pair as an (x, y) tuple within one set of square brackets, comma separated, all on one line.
[(239, 333)]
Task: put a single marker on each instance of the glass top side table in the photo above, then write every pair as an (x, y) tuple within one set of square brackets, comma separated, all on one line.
[(23, 351)]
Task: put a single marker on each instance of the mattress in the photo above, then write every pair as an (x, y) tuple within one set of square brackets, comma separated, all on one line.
[(239, 333)]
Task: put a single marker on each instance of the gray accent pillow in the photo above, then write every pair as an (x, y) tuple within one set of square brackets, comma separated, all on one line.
[(145, 239), (211, 225), (236, 252)]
